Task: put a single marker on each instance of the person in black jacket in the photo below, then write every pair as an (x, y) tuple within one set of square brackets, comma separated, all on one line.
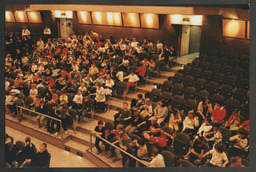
[(41, 158), (99, 131), (11, 151), (27, 152), (51, 122)]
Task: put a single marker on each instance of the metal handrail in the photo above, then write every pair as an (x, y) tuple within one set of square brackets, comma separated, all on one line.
[(56, 119), (121, 150)]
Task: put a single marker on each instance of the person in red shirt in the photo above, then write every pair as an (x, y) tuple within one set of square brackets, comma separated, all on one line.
[(219, 113), (245, 125), (156, 136), (141, 71), (114, 136), (236, 162)]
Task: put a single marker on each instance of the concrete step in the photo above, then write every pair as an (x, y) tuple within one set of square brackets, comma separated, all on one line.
[(166, 74), (82, 138), (30, 123), (76, 147), (109, 115), (115, 103), (87, 127), (103, 157)]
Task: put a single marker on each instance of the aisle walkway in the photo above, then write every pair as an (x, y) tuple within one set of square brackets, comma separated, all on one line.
[(60, 157)]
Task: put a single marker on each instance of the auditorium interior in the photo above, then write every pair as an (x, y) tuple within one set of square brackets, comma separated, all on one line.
[(116, 86)]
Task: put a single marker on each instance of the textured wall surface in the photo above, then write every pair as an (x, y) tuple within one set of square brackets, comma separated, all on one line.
[(212, 40)]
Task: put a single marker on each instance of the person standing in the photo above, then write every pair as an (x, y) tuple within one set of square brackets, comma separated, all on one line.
[(100, 132), (47, 33), (25, 31)]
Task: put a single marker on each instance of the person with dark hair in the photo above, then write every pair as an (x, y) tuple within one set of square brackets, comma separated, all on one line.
[(216, 135), (100, 132), (218, 156), (136, 119), (205, 128), (41, 109), (236, 162), (240, 144), (10, 152), (196, 153), (175, 119), (61, 112), (41, 158), (136, 104), (51, 122), (219, 112), (204, 108), (160, 112), (27, 152), (125, 143), (132, 78), (156, 136), (123, 115)]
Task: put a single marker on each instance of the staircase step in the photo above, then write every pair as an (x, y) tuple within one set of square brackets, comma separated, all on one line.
[(76, 147), (109, 115), (166, 74), (115, 103), (82, 138), (29, 123), (103, 158)]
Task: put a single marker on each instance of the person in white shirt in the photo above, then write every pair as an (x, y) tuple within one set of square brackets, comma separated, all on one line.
[(109, 83), (134, 43), (33, 91), (206, 127), (100, 97), (7, 84), (47, 33), (218, 156), (159, 47), (241, 144), (83, 88), (120, 75), (132, 78), (190, 123), (78, 100), (25, 31), (40, 45), (158, 159)]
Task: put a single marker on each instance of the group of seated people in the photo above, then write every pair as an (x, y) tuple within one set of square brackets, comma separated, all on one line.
[(86, 66), (203, 126), (25, 156)]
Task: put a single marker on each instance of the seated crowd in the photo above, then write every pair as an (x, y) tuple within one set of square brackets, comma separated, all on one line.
[(145, 131), (25, 154), (77, 72), (81, 72)]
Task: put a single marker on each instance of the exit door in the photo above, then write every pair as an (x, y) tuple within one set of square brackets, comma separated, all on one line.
[(65, 27), (190, 39)]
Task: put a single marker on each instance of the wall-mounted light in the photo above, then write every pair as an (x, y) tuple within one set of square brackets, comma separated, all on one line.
[(9, 17), (34, 17), (21, 16), (131, 19), (84, 17)]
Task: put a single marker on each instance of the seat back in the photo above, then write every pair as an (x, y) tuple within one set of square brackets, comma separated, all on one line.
[(189, 93), (168, 158)]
